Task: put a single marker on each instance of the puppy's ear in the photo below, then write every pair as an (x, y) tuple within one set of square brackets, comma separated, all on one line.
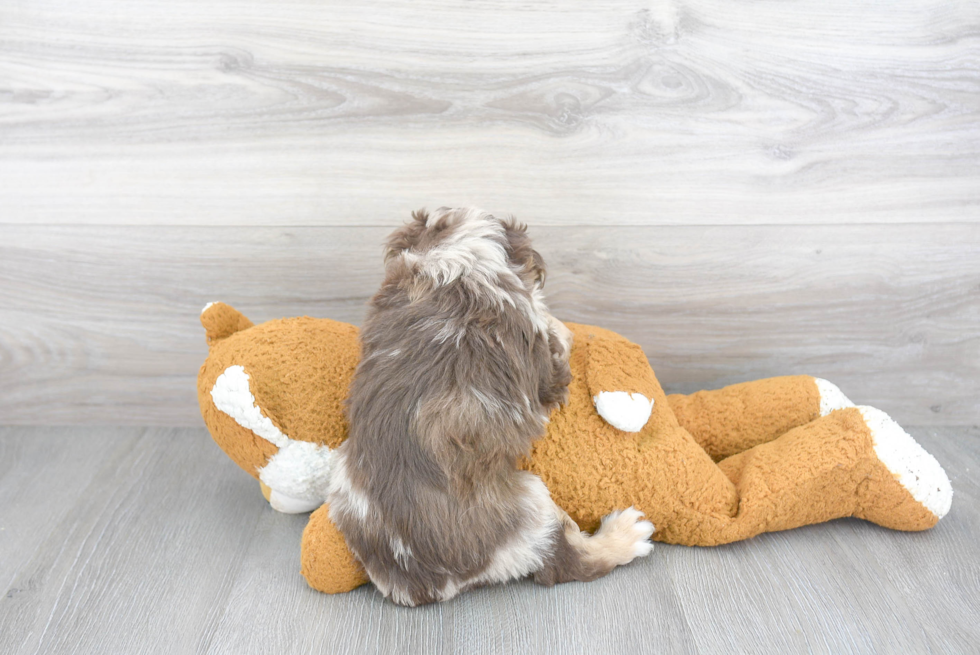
[(520, 252), (407, 236), (539, 268)]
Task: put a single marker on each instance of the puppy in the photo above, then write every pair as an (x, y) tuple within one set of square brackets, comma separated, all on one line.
[(461, 365)]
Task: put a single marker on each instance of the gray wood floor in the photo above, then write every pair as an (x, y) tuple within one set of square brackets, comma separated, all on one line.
[(128, 540)]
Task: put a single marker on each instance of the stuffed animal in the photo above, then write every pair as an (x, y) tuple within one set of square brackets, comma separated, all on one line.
[(709, 468)]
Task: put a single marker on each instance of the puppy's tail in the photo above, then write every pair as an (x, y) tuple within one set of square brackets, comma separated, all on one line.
[(220, 321)]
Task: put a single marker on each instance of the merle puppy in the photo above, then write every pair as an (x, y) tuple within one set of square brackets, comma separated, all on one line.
[(461, 365)]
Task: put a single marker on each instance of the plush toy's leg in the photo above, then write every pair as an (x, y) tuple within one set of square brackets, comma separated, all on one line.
[(730, 420), (852, 462), (326, 562)]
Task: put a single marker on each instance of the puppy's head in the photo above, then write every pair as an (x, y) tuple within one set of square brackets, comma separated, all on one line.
[(451, 244)]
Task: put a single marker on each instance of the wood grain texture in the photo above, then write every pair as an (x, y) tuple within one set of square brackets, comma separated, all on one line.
[(622, 112), (31, 511), (135, 562), (100, 325), (169, 547)]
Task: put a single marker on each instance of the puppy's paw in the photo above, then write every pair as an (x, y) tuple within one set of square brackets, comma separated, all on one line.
[(563, 336), (625, 536)]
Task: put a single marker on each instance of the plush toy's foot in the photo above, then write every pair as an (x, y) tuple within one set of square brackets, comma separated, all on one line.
[(831, 397), (852, 462), (916, 492)]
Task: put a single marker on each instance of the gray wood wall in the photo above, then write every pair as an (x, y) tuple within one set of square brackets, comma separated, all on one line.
[(745, 188)]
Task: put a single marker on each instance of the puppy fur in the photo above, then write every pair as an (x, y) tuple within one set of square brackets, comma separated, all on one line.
[(461, 365)]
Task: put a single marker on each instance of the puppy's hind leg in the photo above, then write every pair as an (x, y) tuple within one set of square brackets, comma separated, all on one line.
[(553, 549), (622, 537)]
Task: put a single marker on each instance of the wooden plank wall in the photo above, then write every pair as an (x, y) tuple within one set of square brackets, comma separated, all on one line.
[(745, 189)]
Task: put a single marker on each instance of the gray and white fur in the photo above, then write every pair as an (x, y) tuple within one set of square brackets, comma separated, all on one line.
[(461, 365)]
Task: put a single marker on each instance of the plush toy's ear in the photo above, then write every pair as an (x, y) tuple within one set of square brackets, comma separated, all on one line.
[(221, 321), (620, 380)]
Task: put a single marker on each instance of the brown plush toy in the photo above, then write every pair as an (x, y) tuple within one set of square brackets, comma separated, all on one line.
[(709, 468)]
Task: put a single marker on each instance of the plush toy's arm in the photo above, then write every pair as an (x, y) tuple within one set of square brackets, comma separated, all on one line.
[(731, 420), (325, 560), (619, 377)]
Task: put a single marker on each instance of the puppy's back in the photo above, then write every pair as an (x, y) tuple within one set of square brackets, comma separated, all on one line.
[(454, 384)]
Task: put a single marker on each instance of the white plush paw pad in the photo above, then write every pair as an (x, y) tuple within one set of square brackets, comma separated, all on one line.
[(628, 535), (290, 505), (624, 411), (917, 470), (831, 397)]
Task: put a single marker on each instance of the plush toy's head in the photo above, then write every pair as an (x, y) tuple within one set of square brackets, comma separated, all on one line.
[(272, 397)]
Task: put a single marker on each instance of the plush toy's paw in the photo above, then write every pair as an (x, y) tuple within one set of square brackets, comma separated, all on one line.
[(831, 397), (908, 462), (625, 536), (325, 560), (628, 412)]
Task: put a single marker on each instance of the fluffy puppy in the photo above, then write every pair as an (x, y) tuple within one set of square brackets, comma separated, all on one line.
[(461, 364)]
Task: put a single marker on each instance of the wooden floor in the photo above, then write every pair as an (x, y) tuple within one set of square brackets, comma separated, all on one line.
[(126, 540)]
